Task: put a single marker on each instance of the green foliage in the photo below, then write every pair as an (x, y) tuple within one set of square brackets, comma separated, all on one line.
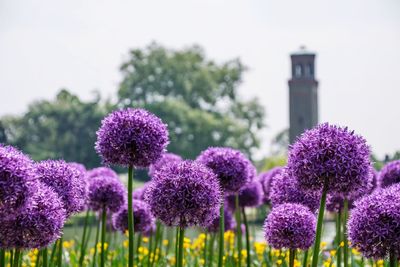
[(198, 98), (63, 128)]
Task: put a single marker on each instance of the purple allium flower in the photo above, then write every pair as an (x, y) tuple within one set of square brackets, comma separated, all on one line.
[(229, 222), (332, 154), (231, 166), (66, 181), (106, 192), (290, 226), (131, 137), (36, 225), (80, 167), (285, 189), (138, 193), (16, 180), (151, 230), (390, 174), (101, 172), (166, 158), (373, 227), (266, 179), (250, 195), (184, 194), (143, 218)]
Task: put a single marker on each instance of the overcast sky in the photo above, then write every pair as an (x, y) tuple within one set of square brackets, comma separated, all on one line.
[(46, 45)]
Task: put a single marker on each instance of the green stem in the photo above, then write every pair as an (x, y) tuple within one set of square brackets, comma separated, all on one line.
[(95, 244), (60, 252), (139, 242), (38, 258), (211, 250), (44, 255), (319, 227), (247, 237), (221, 233), (82, 256), (239, 230), (292, 256), (158, 229), (392, 258), (103, 237), (11, 257), (130, 215), (2, 257), (205, 249), (150, 249), (53, 253), (16, 258), (305, 259), (338, 237), (176, 246), (181, 238), (346, 244)]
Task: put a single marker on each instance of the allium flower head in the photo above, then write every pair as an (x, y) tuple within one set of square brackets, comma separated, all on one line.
[(266, 179), (166, 158), (250, 195), (66, 181), (143, 219), (16, 180), (138, 193), (106, 192), (390, 174), (332, 155), (184, 194), (131, 137), (38, 224), (290, 226), (229, 222), (285, 189), (373, 227), (101, 172), (80, 167), (231, 166)]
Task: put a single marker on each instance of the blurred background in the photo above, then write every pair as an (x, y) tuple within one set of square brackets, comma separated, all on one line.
[(216, 71)]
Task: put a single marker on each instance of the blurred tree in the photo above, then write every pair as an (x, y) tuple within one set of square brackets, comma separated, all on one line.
[(3, 137), (63, 128), (196, 97), (280, 143)]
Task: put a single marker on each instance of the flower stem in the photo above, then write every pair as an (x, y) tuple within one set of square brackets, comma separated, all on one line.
[(44, 255), (16, 257), (319, 227), (103, 237), (176, 246), (221, 233), (211, 250), (38, 257), (239, 230), (292, 256), (95, 244), (346, 244), (130, 215), (53, 253), (60, 252), (305, 259), (181, 238), (2, 257), (247, 237), (338, 237), (205, 249), (82, 256), (392, 258)]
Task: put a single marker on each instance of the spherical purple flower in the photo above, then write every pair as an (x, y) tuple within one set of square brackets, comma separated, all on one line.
[(106, 192), (330, 155), (101, 172), (285, 189), (231, 166), (131, 137), (390, 174), (143, 219), (290, 226), (138, 193), (80, 167), (184, 194), (36, 225), (16, 180), (66, 181), (373, 227), (229, 222), (266, 179), (166, 158), (250, 195)]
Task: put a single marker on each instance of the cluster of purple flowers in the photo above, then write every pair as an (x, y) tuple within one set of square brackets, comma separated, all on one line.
[(266, 179), (390, 174), (250, 195), (166, 158), (143, 219)]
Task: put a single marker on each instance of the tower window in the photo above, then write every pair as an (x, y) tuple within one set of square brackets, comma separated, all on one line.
[(308, 71), (298, 70)]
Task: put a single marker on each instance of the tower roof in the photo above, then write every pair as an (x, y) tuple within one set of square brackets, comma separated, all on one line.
[(302, 51)]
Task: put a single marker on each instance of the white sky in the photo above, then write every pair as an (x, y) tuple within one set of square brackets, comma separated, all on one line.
[(46, 45)]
